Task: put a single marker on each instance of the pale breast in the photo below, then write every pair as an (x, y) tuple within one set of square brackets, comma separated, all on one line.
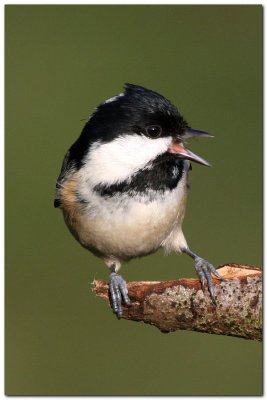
[(123, 226)]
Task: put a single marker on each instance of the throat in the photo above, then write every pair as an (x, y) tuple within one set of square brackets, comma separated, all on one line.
[(157, 177)]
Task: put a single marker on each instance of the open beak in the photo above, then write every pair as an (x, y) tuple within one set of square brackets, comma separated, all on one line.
[(192, 133), (177, 147)]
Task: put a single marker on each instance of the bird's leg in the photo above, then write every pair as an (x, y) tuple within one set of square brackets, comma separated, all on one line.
[(204, 270), (118, 292)]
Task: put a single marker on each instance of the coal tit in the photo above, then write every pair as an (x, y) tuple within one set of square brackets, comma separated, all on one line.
[(123, 184)]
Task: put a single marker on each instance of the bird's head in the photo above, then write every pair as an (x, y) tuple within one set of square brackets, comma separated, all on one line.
[(128, 132)]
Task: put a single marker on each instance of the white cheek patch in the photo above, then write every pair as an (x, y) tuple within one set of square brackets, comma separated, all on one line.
[(118, 160)]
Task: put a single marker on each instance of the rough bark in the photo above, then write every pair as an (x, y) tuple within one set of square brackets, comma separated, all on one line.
[(181, 304)]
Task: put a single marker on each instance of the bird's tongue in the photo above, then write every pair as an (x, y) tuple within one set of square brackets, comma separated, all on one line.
[(179, 149)]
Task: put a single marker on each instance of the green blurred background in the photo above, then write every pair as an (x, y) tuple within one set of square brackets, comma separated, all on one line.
[(61, 61)]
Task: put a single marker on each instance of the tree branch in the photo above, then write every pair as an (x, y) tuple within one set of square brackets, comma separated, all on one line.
[(181, 304)]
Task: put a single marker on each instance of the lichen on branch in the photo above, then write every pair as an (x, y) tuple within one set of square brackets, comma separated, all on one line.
[(181, 304)]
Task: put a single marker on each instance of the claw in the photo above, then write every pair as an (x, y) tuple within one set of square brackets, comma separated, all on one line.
[(204, 270), (216, 273), (124, 292), (118, 292), (211, 288), (202, 279)]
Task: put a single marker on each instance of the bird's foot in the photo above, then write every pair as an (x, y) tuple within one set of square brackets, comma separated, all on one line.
[(204, 270), (118, 293)]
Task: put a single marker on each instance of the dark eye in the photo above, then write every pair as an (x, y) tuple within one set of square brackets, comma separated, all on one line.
[(153, 131)]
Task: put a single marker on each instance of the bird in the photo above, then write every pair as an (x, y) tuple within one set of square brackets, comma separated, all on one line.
[(123, 185)]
